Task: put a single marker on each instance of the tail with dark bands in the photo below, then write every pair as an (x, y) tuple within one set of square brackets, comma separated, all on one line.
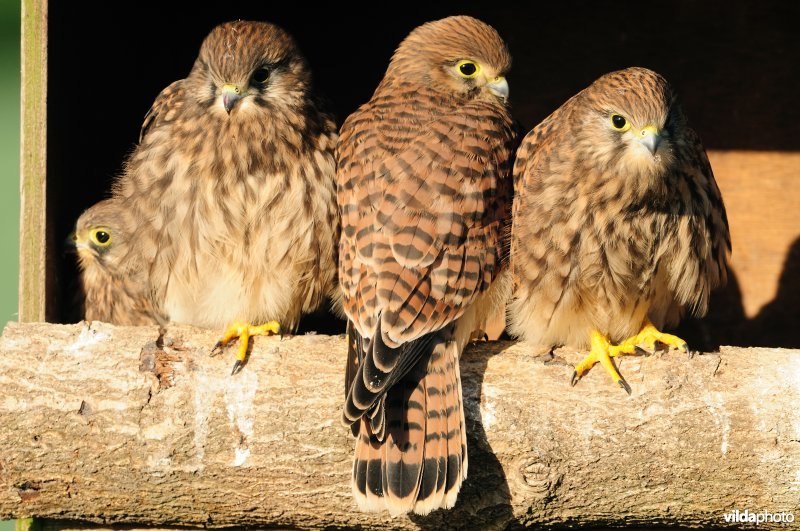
[(422, 460)]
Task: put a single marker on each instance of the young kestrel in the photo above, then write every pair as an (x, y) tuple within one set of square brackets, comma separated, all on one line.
[(424, 189), (114, 282), (233, 186), (618, 224)]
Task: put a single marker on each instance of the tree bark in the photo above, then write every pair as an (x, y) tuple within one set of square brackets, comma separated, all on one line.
[(117, 425)]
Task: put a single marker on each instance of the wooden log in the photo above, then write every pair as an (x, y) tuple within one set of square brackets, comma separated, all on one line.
[(117, 425)]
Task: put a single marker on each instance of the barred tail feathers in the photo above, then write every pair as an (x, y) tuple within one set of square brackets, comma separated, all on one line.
[(422, 461)]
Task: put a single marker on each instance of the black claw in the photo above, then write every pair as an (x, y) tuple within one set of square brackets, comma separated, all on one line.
[(217, 347), (685, 347), (574, 379), (485, 336), (642, 351), (237, 366), (624, 385), (690, 354)]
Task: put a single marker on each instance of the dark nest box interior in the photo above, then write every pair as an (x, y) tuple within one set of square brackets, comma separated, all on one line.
[(734, 65)]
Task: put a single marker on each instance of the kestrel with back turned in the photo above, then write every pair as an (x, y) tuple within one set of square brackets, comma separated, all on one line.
[(233, 187), (424, 187), (618, 224), (113, 280)]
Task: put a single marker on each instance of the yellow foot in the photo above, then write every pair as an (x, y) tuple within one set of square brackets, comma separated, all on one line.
[(602, 351), (649, 336), (243, 331)]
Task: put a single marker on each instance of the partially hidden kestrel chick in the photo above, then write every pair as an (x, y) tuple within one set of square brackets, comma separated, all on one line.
[(115, 288), (424, 189), (618, 224), (233, 181)]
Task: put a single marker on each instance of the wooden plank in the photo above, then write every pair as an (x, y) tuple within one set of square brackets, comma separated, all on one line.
[(33, 162), (761, 195)]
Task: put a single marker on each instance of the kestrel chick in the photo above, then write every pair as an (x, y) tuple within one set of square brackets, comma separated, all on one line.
[(114, 284), (618, 224), (234, 181), (424, 189)]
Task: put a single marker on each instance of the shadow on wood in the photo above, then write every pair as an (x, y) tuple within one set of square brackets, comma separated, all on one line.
[(777, 324)]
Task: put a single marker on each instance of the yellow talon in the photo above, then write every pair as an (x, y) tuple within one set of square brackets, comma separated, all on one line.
[(649, 335), (602, 351), (243, 331)]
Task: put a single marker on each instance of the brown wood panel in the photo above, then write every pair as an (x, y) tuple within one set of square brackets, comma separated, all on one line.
[(761, 191)]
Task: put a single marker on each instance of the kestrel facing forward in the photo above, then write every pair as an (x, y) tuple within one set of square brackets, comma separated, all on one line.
[(233, 183), (114, 282), (424, 187), (618, 224)]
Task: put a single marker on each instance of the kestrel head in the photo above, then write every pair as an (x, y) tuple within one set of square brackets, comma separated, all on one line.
[(631, 118), (101, 237), (459, 56), (244, 66)]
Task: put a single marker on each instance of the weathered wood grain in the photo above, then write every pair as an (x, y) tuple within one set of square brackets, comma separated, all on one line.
[(99, 423)]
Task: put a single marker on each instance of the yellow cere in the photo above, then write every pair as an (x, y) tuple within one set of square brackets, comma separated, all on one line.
[(228, 87), (650, 129), (467, 68)]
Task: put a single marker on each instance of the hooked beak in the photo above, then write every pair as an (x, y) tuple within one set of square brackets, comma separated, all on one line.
[(499, 87), (230, 95), (650, 137)]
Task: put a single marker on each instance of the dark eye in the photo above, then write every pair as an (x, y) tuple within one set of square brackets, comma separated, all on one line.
[(261, 75), (467, 68), (101, 237), (619, 122)]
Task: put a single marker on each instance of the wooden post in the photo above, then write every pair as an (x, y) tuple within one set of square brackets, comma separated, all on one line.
[(33, 163)]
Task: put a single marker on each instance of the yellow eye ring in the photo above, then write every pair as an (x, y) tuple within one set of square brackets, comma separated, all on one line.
[(619, 122), (100, 236), (468, 69)]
